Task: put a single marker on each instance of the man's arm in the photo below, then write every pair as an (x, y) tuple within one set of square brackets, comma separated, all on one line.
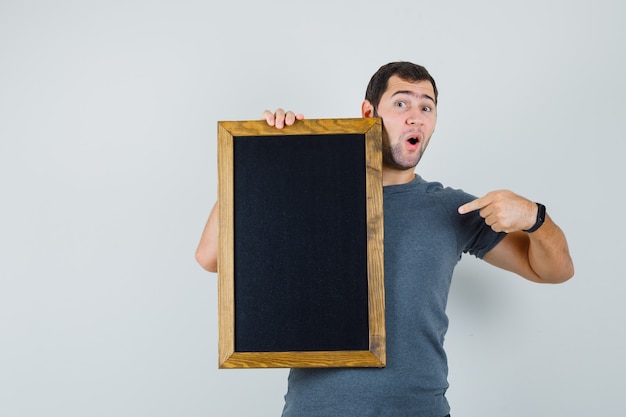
[(206, 253), (541, 256)]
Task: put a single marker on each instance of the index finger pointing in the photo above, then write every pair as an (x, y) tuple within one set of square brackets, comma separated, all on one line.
[(472, 206)]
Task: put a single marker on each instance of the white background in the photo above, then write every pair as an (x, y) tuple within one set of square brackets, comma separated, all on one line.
[(108, 119)]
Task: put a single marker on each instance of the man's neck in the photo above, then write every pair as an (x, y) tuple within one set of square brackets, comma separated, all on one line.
[(397, 177)]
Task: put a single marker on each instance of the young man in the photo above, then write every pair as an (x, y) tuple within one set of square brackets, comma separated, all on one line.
[(427, 229)]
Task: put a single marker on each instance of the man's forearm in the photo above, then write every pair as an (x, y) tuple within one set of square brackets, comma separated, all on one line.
[(206, 253), (548, 253)]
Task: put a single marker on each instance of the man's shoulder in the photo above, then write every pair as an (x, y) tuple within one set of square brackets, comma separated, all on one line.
[(444, 191), (419, 188)]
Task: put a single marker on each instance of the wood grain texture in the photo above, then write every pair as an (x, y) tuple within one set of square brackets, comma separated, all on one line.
[(323, 359), (375, 242), (301, 127), (226, 283)]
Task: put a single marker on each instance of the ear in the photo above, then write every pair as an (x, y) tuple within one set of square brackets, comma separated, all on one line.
[(367, 110)]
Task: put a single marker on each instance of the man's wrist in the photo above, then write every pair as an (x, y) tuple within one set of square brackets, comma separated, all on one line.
[(541, 217)]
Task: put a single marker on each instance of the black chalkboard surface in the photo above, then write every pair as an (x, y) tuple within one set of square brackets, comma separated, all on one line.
[(300, 258)]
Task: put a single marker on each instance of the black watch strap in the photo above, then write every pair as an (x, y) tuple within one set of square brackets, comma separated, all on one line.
[(541, 217)]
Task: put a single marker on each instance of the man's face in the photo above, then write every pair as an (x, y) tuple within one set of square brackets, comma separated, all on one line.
[(409, 116)]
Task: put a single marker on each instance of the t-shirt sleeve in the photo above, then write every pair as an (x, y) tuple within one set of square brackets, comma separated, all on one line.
[(474, 236)]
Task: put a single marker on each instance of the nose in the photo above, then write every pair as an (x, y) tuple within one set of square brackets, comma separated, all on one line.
[(414, 116), (415, 119)]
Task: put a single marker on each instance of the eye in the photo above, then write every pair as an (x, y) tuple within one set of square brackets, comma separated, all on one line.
[(427, 108), (400, 104)]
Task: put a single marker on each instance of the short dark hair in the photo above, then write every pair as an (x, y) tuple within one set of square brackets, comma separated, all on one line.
[(403, 69)]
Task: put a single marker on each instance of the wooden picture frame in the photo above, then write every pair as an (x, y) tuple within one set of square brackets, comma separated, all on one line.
[(300, 260)]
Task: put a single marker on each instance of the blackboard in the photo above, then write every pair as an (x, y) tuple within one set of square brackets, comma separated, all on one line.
[(300, 267)]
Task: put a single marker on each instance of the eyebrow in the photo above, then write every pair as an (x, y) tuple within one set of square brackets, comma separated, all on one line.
[(412, 93)]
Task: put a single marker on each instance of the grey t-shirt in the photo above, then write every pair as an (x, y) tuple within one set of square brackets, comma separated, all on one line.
[(424, 240)]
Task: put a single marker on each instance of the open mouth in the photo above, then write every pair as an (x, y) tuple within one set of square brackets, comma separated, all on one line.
[(413, 138)]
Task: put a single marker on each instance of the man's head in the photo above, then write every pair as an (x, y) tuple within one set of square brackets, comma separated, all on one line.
[(404, 96), (402, 69)]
